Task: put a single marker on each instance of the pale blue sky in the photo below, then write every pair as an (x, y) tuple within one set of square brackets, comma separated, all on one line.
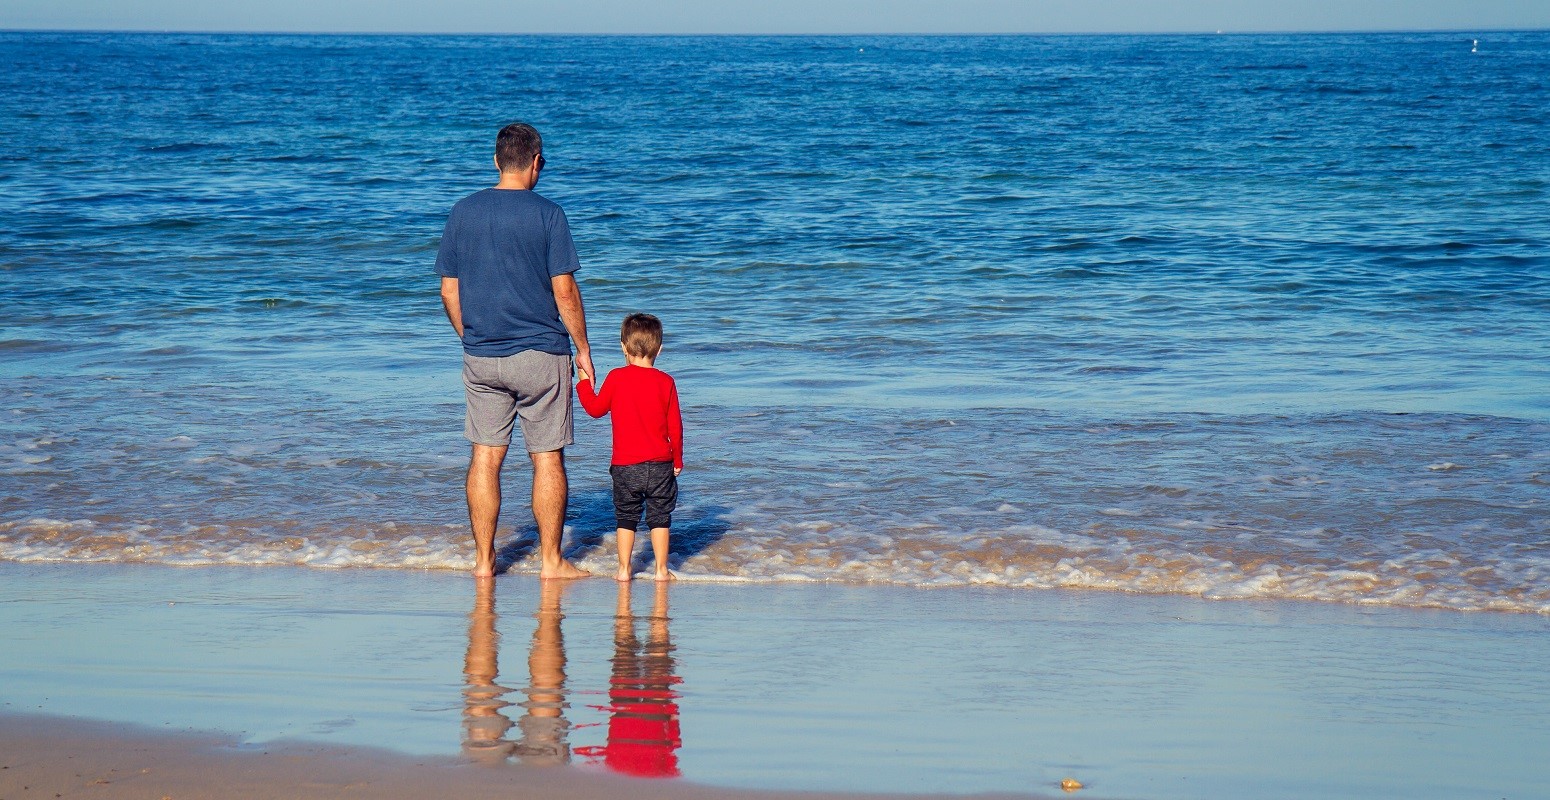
[(775, 16)]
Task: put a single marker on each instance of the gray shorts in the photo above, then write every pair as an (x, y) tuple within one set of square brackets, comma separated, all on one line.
[(532, 385)]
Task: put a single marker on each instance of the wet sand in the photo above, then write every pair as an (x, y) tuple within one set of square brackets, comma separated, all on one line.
[(370, 681), (60, 757)]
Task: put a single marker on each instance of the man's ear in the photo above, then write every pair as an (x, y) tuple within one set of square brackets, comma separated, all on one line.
[(497, 160)]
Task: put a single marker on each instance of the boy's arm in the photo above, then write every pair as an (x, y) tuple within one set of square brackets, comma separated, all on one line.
[(593, 402), (675, 428)]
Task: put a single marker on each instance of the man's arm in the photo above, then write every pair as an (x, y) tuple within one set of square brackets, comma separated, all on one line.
[(567, 295), (450, 302)]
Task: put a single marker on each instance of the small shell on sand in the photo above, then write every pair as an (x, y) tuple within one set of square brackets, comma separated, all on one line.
[(1070, 784)]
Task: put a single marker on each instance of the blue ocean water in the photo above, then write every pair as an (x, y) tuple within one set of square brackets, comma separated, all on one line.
[(1237, 316)]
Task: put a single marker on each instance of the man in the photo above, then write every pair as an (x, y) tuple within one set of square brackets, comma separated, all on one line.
[(506, 265)]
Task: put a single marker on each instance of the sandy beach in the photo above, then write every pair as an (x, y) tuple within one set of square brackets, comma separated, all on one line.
[(324, 683)]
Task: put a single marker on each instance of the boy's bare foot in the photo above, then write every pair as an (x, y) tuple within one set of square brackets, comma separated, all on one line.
[(484, 570), (666, 575), (564, 570), (623, 575)]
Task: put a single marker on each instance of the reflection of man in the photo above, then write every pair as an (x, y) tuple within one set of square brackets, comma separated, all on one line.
[(543, 727), (506, 265), (484, 724), (643, 735)]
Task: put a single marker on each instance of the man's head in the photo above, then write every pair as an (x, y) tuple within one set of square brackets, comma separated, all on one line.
[(641, 336), (516, 146)]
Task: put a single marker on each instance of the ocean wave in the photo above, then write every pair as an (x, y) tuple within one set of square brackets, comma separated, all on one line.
[(1017, 557)]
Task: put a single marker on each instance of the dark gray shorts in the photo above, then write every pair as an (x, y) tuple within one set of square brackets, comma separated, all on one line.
[(652, 485), (530, 385)]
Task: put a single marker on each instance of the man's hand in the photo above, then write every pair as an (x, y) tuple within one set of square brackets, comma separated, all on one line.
[(584, 365)]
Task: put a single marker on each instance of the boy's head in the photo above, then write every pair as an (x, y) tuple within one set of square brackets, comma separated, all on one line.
[(641, 336)]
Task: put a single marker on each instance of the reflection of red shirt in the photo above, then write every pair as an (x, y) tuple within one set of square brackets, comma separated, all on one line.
[(643, 402), (643, 736), (644, 743)]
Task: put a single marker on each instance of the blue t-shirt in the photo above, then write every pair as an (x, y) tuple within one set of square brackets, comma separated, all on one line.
[(504, 246)]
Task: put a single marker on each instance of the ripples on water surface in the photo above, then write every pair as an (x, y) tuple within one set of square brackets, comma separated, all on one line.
[(1239, 316)]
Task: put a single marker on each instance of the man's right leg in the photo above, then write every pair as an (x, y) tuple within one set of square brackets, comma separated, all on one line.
[(484, 504), (550, 493)]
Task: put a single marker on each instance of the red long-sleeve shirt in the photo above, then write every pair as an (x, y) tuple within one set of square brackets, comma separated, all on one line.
[(643, 402)]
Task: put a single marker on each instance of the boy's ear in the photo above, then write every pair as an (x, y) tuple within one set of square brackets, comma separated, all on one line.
[(623, 349)]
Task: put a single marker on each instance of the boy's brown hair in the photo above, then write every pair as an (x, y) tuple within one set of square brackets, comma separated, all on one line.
[(641, 335)]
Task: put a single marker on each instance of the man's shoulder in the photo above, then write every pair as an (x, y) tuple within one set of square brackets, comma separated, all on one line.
[(471, 202), (550, 208), (488, 199)]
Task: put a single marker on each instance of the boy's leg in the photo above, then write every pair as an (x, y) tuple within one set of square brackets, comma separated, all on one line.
[(628, 499), (661, 499), (626, 554), (659, 537)]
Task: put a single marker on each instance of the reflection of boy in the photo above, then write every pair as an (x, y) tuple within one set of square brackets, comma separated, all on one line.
[(648, 439), (643, 730)]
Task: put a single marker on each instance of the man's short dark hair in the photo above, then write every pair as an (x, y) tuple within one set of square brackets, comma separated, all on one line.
[(516, 146), (641, 335)]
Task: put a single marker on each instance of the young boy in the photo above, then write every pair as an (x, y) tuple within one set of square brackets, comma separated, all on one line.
[(648, 439)]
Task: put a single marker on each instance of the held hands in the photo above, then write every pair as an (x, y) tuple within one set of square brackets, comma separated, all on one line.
[(677, 470), (584, 366)]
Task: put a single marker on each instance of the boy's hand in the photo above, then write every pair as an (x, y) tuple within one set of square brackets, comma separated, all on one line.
[(583, 374), (677, 470)]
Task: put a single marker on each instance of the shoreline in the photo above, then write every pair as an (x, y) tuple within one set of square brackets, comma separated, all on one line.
[(643, 578)]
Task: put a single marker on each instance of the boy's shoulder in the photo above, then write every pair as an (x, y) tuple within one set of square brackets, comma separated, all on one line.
[(646, 375)]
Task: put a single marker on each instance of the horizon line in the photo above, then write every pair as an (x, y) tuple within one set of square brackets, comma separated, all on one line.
[(729, 34)]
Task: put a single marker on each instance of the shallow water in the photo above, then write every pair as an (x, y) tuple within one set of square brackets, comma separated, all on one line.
[(1232, 316)]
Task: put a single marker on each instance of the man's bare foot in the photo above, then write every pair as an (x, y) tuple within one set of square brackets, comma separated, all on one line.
[(666, 575), (563, 571), (484, 570), (623, 575)]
